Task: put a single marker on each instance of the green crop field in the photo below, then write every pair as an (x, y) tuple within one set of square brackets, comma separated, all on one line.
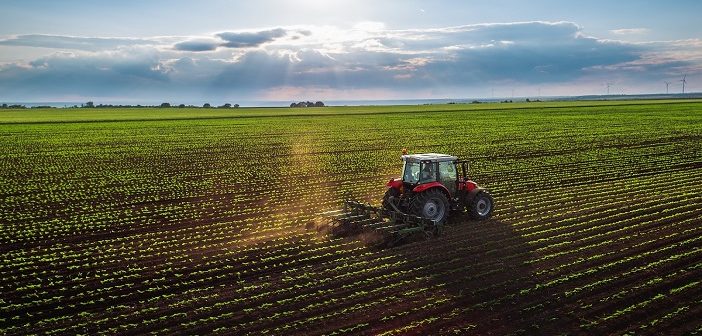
[(192, 221)]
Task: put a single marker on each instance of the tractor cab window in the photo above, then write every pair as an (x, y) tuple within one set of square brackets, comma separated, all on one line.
[(427, 172), (410, 172), (415, 172)]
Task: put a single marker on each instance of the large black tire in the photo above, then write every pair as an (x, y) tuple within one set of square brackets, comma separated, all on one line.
[(391, 192), (481, 206), (431, 204)]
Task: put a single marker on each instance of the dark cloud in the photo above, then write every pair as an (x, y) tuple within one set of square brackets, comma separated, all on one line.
[(67, 74), (234, 40), (532, 63), (247, 39), (196, 45)]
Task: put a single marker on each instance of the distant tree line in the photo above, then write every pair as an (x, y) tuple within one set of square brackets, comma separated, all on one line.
[(91, 104), (18, 106), (307, 104), (5, 106), (164, 105)]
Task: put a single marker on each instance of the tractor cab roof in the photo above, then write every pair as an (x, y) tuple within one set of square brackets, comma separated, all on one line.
[(432, 157)]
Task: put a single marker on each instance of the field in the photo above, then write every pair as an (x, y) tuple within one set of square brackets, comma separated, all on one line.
[(195, 221)]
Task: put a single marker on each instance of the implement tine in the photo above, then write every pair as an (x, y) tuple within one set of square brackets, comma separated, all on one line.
[(393, 224), (331, 212)]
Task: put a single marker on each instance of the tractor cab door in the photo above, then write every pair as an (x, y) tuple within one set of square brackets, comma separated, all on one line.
[(448, 176)]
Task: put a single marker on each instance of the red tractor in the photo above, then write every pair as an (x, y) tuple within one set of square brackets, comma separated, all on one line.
[(430, 189)]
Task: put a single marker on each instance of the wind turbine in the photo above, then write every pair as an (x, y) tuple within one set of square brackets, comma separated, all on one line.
[(608, 86), (683, 82), (667, 84)]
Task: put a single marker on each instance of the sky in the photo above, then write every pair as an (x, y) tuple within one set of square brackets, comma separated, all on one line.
[(272, 50)]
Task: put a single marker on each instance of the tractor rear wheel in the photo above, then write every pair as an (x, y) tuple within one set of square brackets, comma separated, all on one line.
[(431, 204), (481, 206)]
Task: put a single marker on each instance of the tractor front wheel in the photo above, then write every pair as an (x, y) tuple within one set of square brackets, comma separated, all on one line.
[(481, 206), (431, 204)]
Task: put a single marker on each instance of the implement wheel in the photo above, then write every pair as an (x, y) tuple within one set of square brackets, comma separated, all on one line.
[(431, 204)]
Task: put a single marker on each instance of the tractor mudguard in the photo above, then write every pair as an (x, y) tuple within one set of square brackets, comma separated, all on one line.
[(394, 183), (472, 193), (423, 187)]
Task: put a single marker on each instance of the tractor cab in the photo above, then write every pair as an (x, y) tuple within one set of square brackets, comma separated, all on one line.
[(430, 168)]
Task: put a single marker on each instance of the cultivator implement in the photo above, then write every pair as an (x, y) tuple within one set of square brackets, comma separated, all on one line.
[(380, 225)]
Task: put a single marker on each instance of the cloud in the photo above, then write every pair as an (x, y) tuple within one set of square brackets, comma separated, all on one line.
[(248, 39), (236, 40), (523, 60), (224, 39), (411, 62), (73, 74), (73, 42), (630, 31), (197, 45)]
